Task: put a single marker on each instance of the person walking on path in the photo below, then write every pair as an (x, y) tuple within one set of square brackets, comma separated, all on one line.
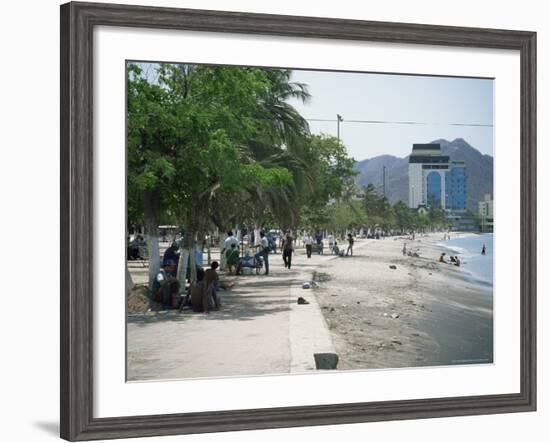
[(308, 241), (232, 258), (287, 251), (263, 251), (229, 240), (349, 251)]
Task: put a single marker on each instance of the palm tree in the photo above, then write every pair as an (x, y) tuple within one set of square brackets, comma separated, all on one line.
[(282, 146)]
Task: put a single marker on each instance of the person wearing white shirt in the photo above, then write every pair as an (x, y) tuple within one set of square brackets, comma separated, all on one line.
[(230, 240), (263, 251)]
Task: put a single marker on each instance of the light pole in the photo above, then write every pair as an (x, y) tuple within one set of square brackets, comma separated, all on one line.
[(384, 180), (339, 119)]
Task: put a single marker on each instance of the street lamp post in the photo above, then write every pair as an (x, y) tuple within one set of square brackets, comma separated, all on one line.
[(384, 180), (339, 119)]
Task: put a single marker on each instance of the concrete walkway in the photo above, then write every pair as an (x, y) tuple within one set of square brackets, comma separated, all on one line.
[(259, 330)]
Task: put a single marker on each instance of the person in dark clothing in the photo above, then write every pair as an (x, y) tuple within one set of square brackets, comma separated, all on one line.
[(166, 288), (350, 245), (287, 251), (171, 254), (200, 295), (318, 238)]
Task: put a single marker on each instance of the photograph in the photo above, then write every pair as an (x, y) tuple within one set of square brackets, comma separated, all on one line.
[(288, 221)]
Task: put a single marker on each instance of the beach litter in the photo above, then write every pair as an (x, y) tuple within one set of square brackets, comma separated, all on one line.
[(306, 285), (393, 267), (302, 301), (395, 316)]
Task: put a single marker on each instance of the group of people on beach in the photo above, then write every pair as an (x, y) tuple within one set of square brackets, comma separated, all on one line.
[(453, 259), (202, 294)]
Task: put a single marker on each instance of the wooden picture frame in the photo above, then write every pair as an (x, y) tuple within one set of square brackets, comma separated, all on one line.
[(77, 23)]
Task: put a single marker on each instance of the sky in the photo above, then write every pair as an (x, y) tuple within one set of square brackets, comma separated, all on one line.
[(438, 103)]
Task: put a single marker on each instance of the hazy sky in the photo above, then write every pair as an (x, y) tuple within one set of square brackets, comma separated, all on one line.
[(440, 103)]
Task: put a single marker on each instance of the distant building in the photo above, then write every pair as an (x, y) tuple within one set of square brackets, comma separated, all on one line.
[(434, 180), (486, 213)]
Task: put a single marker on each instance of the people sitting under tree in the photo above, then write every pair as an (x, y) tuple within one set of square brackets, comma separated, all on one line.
[(199, 295), (165, 287), (214, 285), (171, 254)]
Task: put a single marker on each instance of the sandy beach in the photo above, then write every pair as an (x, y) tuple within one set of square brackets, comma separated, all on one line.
[(422, 313)]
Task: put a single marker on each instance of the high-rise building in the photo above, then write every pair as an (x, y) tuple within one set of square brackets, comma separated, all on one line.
[(455, 185), (434, 180), (486, 213)]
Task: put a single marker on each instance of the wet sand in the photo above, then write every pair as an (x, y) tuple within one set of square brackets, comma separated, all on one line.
[(423, 313)]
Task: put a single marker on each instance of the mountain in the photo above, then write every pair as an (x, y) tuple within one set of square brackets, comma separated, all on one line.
[(479, 172)]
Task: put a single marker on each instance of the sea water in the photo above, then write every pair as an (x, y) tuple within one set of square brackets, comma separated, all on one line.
[(468, 249)]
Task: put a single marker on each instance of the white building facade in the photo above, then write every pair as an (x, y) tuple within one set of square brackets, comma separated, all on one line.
[(435, 181), (427, 168)]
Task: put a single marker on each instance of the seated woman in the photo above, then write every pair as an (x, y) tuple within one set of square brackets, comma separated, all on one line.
[(165, 287), (199, 294)]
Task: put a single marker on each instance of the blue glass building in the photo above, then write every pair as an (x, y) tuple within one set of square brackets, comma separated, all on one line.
[(433, 187), (455, 187)]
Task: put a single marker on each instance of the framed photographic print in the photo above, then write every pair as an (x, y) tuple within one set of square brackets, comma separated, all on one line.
[(273, 221)]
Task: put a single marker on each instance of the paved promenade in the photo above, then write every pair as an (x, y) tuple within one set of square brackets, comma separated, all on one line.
[(259, 330)]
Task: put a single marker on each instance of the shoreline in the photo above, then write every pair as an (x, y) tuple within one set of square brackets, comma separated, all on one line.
[(423, 313), (479, 278)]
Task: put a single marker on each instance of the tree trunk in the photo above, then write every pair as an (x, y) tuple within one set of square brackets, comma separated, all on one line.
[(222, 255), (182, 268), (129, 281), (192, 266), (187, 256), (209, 249), (151, 228)]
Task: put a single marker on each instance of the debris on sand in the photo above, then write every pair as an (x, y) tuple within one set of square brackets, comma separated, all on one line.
[(302, 301), (393, 267), (395, 316), (306, 285)]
